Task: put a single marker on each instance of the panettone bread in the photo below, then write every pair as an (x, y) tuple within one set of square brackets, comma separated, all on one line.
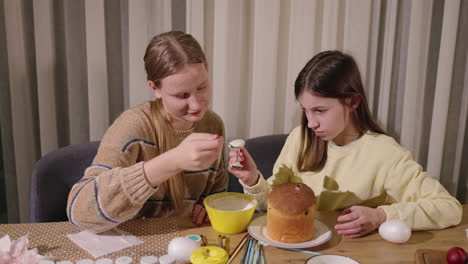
[(291, 213)]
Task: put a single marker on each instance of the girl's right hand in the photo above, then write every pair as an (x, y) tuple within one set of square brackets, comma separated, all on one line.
[(198, 151), (248, 173)]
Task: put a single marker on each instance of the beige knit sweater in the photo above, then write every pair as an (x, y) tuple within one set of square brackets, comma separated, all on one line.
[(114, 188)]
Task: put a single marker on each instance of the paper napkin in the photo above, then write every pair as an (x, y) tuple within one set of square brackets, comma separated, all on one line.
[(104, 243)]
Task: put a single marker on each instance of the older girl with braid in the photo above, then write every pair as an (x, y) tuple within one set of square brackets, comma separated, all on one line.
[(162, 157)]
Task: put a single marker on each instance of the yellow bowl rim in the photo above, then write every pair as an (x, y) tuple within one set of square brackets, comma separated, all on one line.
[(240, 195)]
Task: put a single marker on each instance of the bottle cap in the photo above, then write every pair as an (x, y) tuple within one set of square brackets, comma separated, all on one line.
[(85, 261), (195, 238), (104, 261), (46, 262), (124, 260), (149, 260), (166, 259), (236, 143)]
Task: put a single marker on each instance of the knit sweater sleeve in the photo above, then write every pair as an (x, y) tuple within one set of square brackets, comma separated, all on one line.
[(419, 199), (114, 187)]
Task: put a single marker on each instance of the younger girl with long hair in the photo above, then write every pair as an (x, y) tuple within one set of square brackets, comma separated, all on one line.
[(348, 160)]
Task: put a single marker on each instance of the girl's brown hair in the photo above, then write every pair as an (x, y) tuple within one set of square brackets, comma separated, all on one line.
[(166, 54), (330, 74)]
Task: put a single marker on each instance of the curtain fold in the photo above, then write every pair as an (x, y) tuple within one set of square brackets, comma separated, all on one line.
[(68, 68), (412, 56)]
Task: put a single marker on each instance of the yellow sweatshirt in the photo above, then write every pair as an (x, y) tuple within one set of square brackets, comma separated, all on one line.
[(373, 171), (114, 188)]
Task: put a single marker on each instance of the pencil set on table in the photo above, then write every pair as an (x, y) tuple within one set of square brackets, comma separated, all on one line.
[(253, 252)]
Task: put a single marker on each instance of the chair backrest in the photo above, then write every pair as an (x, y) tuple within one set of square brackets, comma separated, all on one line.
[(52, 178), (264, 150)]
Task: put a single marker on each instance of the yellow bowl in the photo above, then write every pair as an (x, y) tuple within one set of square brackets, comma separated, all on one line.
[(230, 212)]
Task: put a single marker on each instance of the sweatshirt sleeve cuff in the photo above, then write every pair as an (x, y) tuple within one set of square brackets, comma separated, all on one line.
[(135, 185), (257, 188), (390, 212)]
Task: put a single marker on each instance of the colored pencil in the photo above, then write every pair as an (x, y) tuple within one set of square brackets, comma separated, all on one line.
[(262, 254), (301, 250), (248, 252), (241, 243), (238, 248)]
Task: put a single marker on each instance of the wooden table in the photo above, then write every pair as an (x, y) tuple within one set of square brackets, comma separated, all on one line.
[(368, 249)]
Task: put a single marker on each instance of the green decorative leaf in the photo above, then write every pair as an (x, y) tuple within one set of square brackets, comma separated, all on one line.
[(330, 184), (285, 175)]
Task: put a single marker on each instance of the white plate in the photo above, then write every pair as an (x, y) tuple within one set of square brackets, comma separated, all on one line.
[(335, 259), (257, 229)]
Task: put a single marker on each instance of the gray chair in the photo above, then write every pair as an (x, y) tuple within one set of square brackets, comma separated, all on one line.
[(52, 178), (56, 172), (264, 150)]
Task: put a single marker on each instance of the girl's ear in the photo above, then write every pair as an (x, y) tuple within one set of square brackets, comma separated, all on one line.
[(156, 91), (354, 101)]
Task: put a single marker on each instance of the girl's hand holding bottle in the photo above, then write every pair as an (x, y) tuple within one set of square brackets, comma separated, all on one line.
[(248, 173)]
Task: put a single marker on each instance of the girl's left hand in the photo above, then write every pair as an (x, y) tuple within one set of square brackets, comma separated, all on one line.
[(360, 220), (199, 215)]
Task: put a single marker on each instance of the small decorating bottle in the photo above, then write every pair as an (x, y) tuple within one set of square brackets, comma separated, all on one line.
[(209, 255)]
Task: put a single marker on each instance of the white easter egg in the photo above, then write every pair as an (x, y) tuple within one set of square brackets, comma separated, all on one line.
[(395, 231), (181, 248)]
